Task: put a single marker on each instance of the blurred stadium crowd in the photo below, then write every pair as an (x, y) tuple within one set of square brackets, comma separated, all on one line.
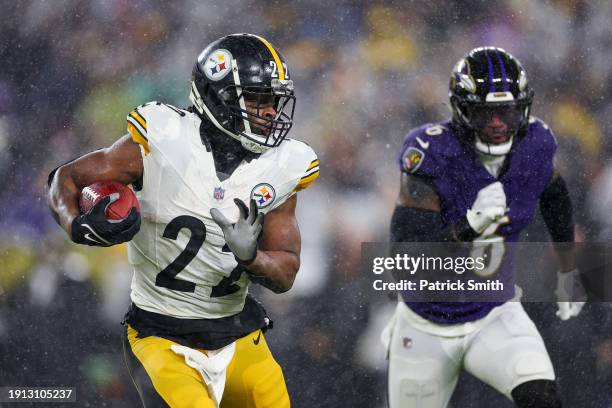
[(365, 73)]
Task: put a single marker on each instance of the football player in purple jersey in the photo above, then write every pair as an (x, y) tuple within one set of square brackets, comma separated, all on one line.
[(476, 176)]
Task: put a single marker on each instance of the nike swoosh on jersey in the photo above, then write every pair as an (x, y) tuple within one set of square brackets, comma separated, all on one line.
[(256, 341), (423, 144)]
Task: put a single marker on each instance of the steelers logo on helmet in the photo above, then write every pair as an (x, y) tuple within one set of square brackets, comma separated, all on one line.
[(263, 194), (218, 64)]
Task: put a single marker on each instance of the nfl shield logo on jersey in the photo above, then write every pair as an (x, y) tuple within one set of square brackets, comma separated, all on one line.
[(219, 193), (263, 194)]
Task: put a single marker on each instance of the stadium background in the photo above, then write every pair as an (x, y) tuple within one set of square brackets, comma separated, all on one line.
[(365, 73)]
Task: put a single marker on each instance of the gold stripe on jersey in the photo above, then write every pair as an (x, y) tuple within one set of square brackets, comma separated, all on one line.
[(137, 121), (141, 130), (310, 172), (313, 167), (138, 137), (309, 178), (313, 174), (277, 60), (139, 118)]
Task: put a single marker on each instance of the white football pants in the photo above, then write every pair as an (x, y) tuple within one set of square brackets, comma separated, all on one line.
[(503, 349)]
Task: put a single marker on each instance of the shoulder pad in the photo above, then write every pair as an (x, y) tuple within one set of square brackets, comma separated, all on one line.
[(538, 125), (541, 135), (137, 127), (426, 147), (139, 120), (309, 175), (302, 162)]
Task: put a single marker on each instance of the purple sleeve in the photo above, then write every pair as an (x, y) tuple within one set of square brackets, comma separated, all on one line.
[(544, 145), (418, 155)]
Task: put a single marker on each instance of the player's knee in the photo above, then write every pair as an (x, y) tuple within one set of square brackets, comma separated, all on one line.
[(533, 364), (536, 394)]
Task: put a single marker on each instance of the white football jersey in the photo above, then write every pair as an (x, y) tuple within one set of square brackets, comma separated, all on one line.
[(182, 266)]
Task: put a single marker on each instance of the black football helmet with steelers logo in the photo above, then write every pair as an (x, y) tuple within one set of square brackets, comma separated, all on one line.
[(235, 81)]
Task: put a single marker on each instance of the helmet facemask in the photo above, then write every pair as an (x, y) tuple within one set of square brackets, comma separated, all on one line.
[(260, 115), (494, 124)]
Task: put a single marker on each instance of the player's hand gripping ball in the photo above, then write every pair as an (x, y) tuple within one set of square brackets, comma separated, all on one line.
[(110, 214)]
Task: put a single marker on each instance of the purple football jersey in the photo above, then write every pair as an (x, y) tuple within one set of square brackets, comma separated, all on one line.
[(435, 152)]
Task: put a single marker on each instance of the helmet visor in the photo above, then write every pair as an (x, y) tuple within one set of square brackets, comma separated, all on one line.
[(497, 123)]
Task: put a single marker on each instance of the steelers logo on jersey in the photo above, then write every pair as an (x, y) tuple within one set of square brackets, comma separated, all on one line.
[(218, 64), (263, 194)]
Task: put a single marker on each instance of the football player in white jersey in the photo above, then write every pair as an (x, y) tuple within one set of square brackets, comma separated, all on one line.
[(204, 177)]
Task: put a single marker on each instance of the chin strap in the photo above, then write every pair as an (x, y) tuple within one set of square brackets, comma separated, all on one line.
[(493, 149)]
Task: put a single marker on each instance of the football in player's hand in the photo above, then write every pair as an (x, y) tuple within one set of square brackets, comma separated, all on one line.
[(118, 209)]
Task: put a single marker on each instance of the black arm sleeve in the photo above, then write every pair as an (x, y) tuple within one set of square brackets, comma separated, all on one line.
[(556, 209), (419, 225)]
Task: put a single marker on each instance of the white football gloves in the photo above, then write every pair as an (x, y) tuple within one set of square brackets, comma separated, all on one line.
[(571, 295), (489, 206)]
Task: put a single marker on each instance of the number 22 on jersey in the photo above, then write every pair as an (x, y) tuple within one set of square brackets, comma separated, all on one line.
[(166, 278)]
